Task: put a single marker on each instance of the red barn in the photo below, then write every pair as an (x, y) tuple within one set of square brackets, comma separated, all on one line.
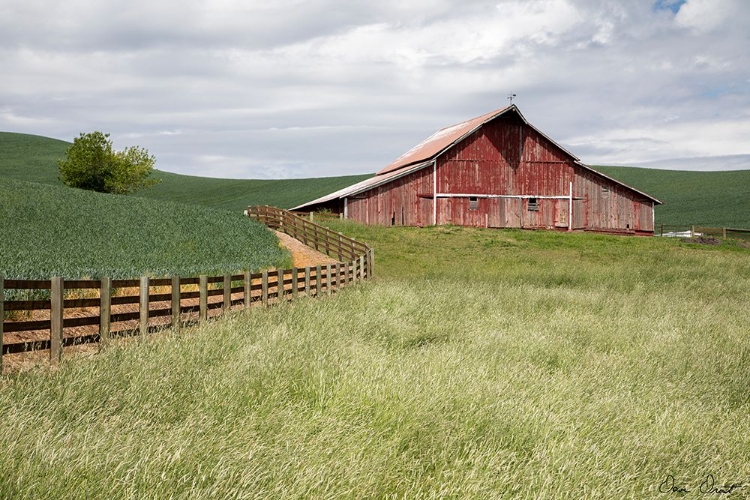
[(495, 170)]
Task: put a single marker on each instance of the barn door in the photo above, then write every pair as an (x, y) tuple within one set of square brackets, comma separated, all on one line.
[(424, 212), (493, 213), (562, 207), (510, 212), (579, 214)]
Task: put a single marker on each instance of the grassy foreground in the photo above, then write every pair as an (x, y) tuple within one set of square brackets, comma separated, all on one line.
[(481, 364)]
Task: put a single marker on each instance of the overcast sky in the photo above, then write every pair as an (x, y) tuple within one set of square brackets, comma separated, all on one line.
[(294, 88)]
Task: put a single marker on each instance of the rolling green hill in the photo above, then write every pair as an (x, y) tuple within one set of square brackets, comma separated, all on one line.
[(33, 158), (30, 157), (720, 199), (237, 194), (59, 231)]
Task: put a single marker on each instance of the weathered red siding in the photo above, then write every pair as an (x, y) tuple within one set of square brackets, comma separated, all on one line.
[(610, 206), (406, 201), (505, 157), (519, 179)]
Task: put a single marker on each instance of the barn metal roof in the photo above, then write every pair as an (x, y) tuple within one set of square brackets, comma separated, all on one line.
[(423, 153), (440, 141), (447, 137), (366, 185)]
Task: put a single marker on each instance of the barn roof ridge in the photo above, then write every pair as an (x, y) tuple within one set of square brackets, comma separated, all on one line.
[(424, 153), (444, 139)]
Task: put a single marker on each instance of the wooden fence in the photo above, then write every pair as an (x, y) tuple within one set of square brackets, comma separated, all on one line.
[(721, 232), (322, 216), (313, 235), (86, 311), (690, 231)]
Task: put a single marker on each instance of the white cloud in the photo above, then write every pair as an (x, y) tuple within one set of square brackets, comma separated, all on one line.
[(307, 88), (706, 15)]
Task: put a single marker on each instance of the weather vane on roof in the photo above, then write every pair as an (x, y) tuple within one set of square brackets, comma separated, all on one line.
[(510, 97)]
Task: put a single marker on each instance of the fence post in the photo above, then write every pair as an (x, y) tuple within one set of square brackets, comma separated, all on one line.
[(144, 305), (362, 267), (2, 315), (203, 301), (354, 270), (280, 285), (328, 279), (264, 288), (692, 231), (248, 289), (56, 319), (724, 232), (295, 282), (227, 303), (372, 263), (105, 309), (176, 313), (307, 280)]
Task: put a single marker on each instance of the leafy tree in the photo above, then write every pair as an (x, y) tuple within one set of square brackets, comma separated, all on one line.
[(93, 164)]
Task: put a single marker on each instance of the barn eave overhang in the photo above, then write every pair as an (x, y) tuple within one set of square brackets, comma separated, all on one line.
[(631, 188), (366, 185)]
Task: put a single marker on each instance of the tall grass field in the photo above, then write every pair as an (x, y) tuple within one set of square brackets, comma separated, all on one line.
[(479, 364)]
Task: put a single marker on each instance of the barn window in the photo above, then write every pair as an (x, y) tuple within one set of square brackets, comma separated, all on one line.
[(533, 205), (605, 191), (473, 203)]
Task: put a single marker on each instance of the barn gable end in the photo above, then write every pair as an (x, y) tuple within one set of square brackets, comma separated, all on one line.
[(495, 170)]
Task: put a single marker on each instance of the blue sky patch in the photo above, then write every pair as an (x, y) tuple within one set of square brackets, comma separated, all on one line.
[(673, 5)]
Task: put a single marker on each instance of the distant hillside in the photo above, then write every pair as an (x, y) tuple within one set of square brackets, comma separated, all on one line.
[(237, 194), (720, 199), (33, 158), (30, 157), (700, 198)]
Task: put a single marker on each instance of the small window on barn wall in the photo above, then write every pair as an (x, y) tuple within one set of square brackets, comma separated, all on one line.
[(473, 203), (533, 205), (605, 191)]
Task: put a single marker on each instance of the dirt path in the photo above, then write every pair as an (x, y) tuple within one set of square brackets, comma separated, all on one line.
[(303, 255)]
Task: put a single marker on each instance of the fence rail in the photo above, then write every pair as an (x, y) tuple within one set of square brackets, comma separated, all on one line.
[(137, 306), (313, 235), (722, 232), (319, 215), (690, 231)]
